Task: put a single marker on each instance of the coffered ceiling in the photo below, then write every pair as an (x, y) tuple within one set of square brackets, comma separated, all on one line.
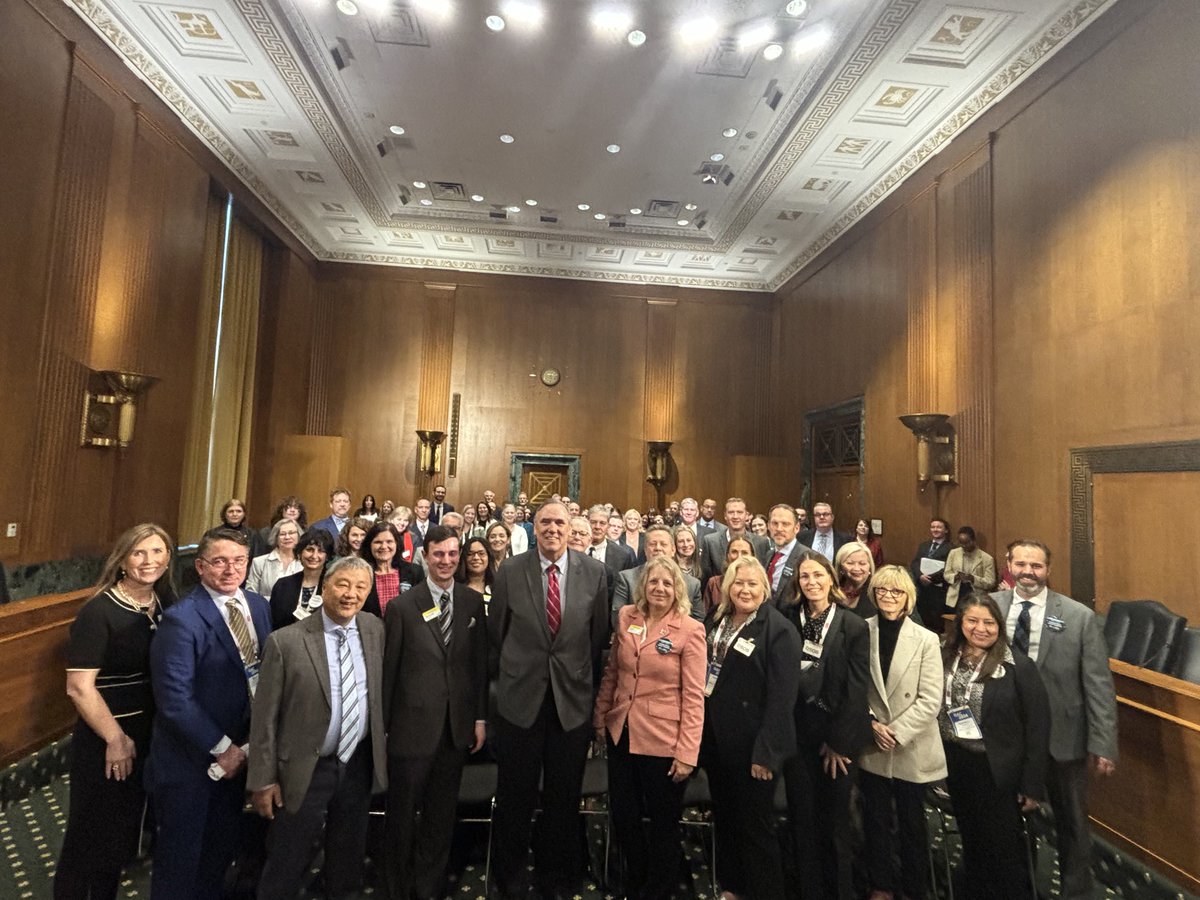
[(410, 133)]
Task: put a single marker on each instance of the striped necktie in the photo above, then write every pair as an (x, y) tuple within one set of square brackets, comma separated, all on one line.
[(553, 600), (349, 724), (447, 616), (241, 634)]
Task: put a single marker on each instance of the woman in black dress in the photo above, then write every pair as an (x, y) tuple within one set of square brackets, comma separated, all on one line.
[(108, 680)]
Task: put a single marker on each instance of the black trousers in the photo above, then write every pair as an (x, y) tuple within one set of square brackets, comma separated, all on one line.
[(820, 828), (891, 803), (645, 805), (523, 755), (748, 859), (1067, 785), (422, 799), (338, 801), (993, 832)]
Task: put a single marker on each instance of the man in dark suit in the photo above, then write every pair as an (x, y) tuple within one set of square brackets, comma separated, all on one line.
[(339, 513), (1065, 640), (420, 523), (204, 670), (616, 556), (784, 527), (321, 687), (435, 701), (715, 544), (824, 539), (439, 507), (929, 576), (548, 626), (658, 541), (708, 518)]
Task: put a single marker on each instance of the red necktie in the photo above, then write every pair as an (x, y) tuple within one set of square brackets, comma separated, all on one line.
[(553, 600), (774, 562)]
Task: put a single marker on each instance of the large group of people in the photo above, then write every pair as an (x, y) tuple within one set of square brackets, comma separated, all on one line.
[(378, 653)]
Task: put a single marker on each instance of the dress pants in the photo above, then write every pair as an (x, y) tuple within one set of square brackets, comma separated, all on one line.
[(748, 859), (1067, 785), (639, 789), (908, 819), (989, 821), (197, 835), (819, 825), (338, 801), (422, 800), (557, 756)]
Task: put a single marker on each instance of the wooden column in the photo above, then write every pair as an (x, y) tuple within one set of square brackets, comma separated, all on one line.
[(437, 352)]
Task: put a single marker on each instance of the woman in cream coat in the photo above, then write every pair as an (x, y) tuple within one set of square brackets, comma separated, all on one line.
[(905, 695)]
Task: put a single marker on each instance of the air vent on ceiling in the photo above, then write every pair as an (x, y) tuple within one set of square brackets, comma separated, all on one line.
[(772, 95), (616, 223), (405, 196), (498, 214), (548, 219), (342, 54)]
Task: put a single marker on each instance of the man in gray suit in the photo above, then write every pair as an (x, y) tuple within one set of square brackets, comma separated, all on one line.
[(1065, 641), (658, 541), (616, 556), (548, 625), (320, 686), (784, 527), (715, 544)]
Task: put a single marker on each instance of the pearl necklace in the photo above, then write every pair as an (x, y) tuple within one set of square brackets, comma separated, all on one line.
[(125, 601)]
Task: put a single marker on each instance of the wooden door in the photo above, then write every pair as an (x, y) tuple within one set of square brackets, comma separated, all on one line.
[(540, 481), (839, 488)]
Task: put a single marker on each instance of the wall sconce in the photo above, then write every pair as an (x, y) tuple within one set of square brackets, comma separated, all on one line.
[(100, 428), (937, 447), (657, 457), (430, 459)]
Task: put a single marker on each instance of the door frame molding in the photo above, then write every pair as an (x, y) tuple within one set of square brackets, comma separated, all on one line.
[(517, 462), (813, 419)]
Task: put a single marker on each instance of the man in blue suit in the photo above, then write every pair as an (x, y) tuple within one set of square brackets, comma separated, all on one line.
[(339, 513), (204, 668)]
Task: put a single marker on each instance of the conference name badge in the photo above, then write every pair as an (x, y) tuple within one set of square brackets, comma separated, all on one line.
[(743, 646), (962, 721), (636, 629), (714, 670), (1054, 623), (430, 614), (813, 649)]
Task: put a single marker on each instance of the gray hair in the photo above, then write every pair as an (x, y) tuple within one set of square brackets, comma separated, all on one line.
[(348, 562), (273, 538)]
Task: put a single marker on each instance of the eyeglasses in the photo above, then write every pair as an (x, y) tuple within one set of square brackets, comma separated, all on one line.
[(475, 553), (220, 562), (888, 592)]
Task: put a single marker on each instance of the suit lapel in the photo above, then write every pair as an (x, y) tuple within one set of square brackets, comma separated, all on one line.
[(210, 614), (1049, 637), (422, 600), (906, 647), (533, 578), (314, 643), (876, 669)]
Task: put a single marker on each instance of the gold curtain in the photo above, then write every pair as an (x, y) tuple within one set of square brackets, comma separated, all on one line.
[(217, 457)]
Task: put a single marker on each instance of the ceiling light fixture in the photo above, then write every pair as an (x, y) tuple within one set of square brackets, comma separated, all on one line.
[(756, 34), (717, 157), (681, 222), (507, 138), (635, 211), (693, 31), (396, 129), (599, 217), (613, 148), (347, 7), (478, 198), (636, 38), (796, 8), (811, 39), (523, 11), (689, 206), (418, 184), (772, 52), (729, 132), (514, 209), (425, 201), (494, 23), (608, 18), (531, 202), (584, 207)]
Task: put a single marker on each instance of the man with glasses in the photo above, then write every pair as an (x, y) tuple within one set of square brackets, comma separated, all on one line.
[(204, 669), (823, 538)]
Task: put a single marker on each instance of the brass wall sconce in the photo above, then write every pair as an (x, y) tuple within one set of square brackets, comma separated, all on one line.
[(937, 447), (429, 461), (100, 426), (658, 454)]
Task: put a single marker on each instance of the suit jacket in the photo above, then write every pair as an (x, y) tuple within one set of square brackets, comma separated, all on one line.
[(435, 515), (1073, 663), (715, 545), (836, 685), (784, 596), (267, 569), (284, 598), (981, 566), (329, 525), (626, 582), (424, 681), (415, 531), (199, 682), (618, 557), (748, 716), (408, 575), (909, 701), (527, 660), (808, 535), (1016, 727), (292, 707), (658, 696), (937, 581)]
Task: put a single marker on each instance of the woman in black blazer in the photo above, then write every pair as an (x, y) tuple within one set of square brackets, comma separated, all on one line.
[(833, 726), (297, 596), (995, 725), (750, 689)]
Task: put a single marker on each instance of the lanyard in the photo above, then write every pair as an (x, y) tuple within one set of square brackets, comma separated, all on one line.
[(828, 620), (950, 681)]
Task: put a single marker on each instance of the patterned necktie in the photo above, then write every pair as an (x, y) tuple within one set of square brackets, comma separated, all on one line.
[(241, 634), (1021, 632), (774, 562), (824, 550), (592, 552), (349, 723), (553, 600), (447, 617)]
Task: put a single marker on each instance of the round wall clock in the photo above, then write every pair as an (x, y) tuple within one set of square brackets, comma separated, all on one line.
[(551, 377)]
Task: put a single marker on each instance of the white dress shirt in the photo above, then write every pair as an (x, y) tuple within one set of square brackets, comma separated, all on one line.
[(598, 551), (220, 600), (358, 663), (1037, 616), (561, 562), (786, 550)]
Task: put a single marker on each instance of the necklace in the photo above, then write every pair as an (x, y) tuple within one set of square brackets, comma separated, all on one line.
[(127, 602)]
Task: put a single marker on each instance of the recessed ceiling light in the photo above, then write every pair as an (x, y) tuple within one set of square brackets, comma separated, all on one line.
[(514, 209), (811, 39), (796, 8), (478, 198), (700, 29), (494, 23), (729, 132), (636, 38), (756, 34), (523, 11), (531, 202), (584, 207), (347, 7), (717, 157), (689, 206), (772, 51), (599, 217), (507, 138), (613, 148), (425, 201), (681, 222), (636, 211), (396, 129), (608, 18), (418, 184)]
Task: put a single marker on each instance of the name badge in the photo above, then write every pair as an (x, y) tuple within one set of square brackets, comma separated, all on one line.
[(963, 723), (663, 645), (743, 646), (252, 678), (714, 670), (636, 629), (430, 614), (813, 649), (1054, 623), (301, 613)]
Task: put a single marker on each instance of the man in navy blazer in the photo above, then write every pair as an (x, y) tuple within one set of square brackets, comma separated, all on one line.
[(203, 668), (439, 507), (339, 513)]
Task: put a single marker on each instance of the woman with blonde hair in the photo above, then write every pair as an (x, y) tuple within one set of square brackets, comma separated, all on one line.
[(855, 565)]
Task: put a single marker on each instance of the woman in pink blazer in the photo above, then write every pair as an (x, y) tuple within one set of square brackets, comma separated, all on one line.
[(650, 712)]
